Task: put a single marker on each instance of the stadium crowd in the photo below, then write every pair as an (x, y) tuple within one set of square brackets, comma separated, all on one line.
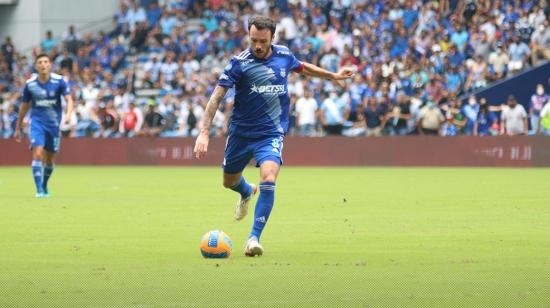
[(152, 74)]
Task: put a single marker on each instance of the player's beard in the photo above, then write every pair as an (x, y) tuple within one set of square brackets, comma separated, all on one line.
[(260, 53)]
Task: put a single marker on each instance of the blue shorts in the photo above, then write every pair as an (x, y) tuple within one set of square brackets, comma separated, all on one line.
[(239, 151), (49, 138)]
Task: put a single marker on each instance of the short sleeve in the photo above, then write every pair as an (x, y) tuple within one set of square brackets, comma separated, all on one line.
[(231, 74), (26, 94), (65, 90), (295, 64)]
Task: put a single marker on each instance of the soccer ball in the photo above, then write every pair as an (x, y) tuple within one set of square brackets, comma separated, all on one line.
[(216, 244)]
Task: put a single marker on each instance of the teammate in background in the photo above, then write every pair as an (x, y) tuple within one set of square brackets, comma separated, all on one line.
[(259, 120), (42, 95)]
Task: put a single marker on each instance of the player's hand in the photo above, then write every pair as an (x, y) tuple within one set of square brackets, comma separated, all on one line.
[(345, 73), (66, 120), (17, 135), (201, 144)]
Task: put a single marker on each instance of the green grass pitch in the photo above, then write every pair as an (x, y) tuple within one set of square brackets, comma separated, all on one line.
[(337, 237)]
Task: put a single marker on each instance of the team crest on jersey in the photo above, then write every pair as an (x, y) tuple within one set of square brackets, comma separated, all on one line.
[(52, 93), (283, 73)]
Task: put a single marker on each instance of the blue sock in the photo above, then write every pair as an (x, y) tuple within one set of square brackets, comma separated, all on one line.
[(243, 188), (48, 170), (263, 208), (37, 174)]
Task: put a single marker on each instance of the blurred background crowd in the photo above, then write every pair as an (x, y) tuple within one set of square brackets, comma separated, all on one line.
[(419, 64)]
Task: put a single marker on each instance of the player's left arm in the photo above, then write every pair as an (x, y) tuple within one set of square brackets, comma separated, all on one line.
[(66, 92), (70, 108), (316, 71)]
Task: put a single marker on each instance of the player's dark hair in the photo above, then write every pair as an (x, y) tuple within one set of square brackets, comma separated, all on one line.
[(261, 23), (42, 55)]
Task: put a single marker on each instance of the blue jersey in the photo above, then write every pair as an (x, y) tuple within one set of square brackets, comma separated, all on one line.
[(262, 102), (45, 100)]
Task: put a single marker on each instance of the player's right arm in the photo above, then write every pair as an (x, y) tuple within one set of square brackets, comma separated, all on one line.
[(228, 79), (201, 144), (23, 108)]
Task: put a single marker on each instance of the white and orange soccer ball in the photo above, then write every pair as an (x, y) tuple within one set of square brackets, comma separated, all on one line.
[(216, 244)]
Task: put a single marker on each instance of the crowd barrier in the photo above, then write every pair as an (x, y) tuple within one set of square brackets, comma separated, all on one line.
[(503, 151)]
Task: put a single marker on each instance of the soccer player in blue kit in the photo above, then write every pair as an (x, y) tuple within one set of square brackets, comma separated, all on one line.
[(259, 120), (42, 94)]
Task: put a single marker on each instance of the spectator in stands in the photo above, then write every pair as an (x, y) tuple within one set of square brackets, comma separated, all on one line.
[(455, 119), (306, 110), (485, 120), (190, 66), (153, 68), (435, 89), (400, 116), (540, 43), (519, 54), (5, 74), (154, 121), (132, 120), (481, 46), (109, 119), (478, 75), (430, 120), (190, 118), (498, 62), (513, 118), (8, 51), (66, 62), (122, 99), (332, 113), (135, 14), (167, 22), (10, 120), (71, 40), (168, 71), (49, 42), (459, 37), (374, 116), (139, 36), (331, 61), (544, 126), (471, 111), (538, 100), (454, 81), (153, 14), (88, 120)]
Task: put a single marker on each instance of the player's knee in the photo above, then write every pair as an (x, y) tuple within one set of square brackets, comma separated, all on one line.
[(268, 177), (38, 155)]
